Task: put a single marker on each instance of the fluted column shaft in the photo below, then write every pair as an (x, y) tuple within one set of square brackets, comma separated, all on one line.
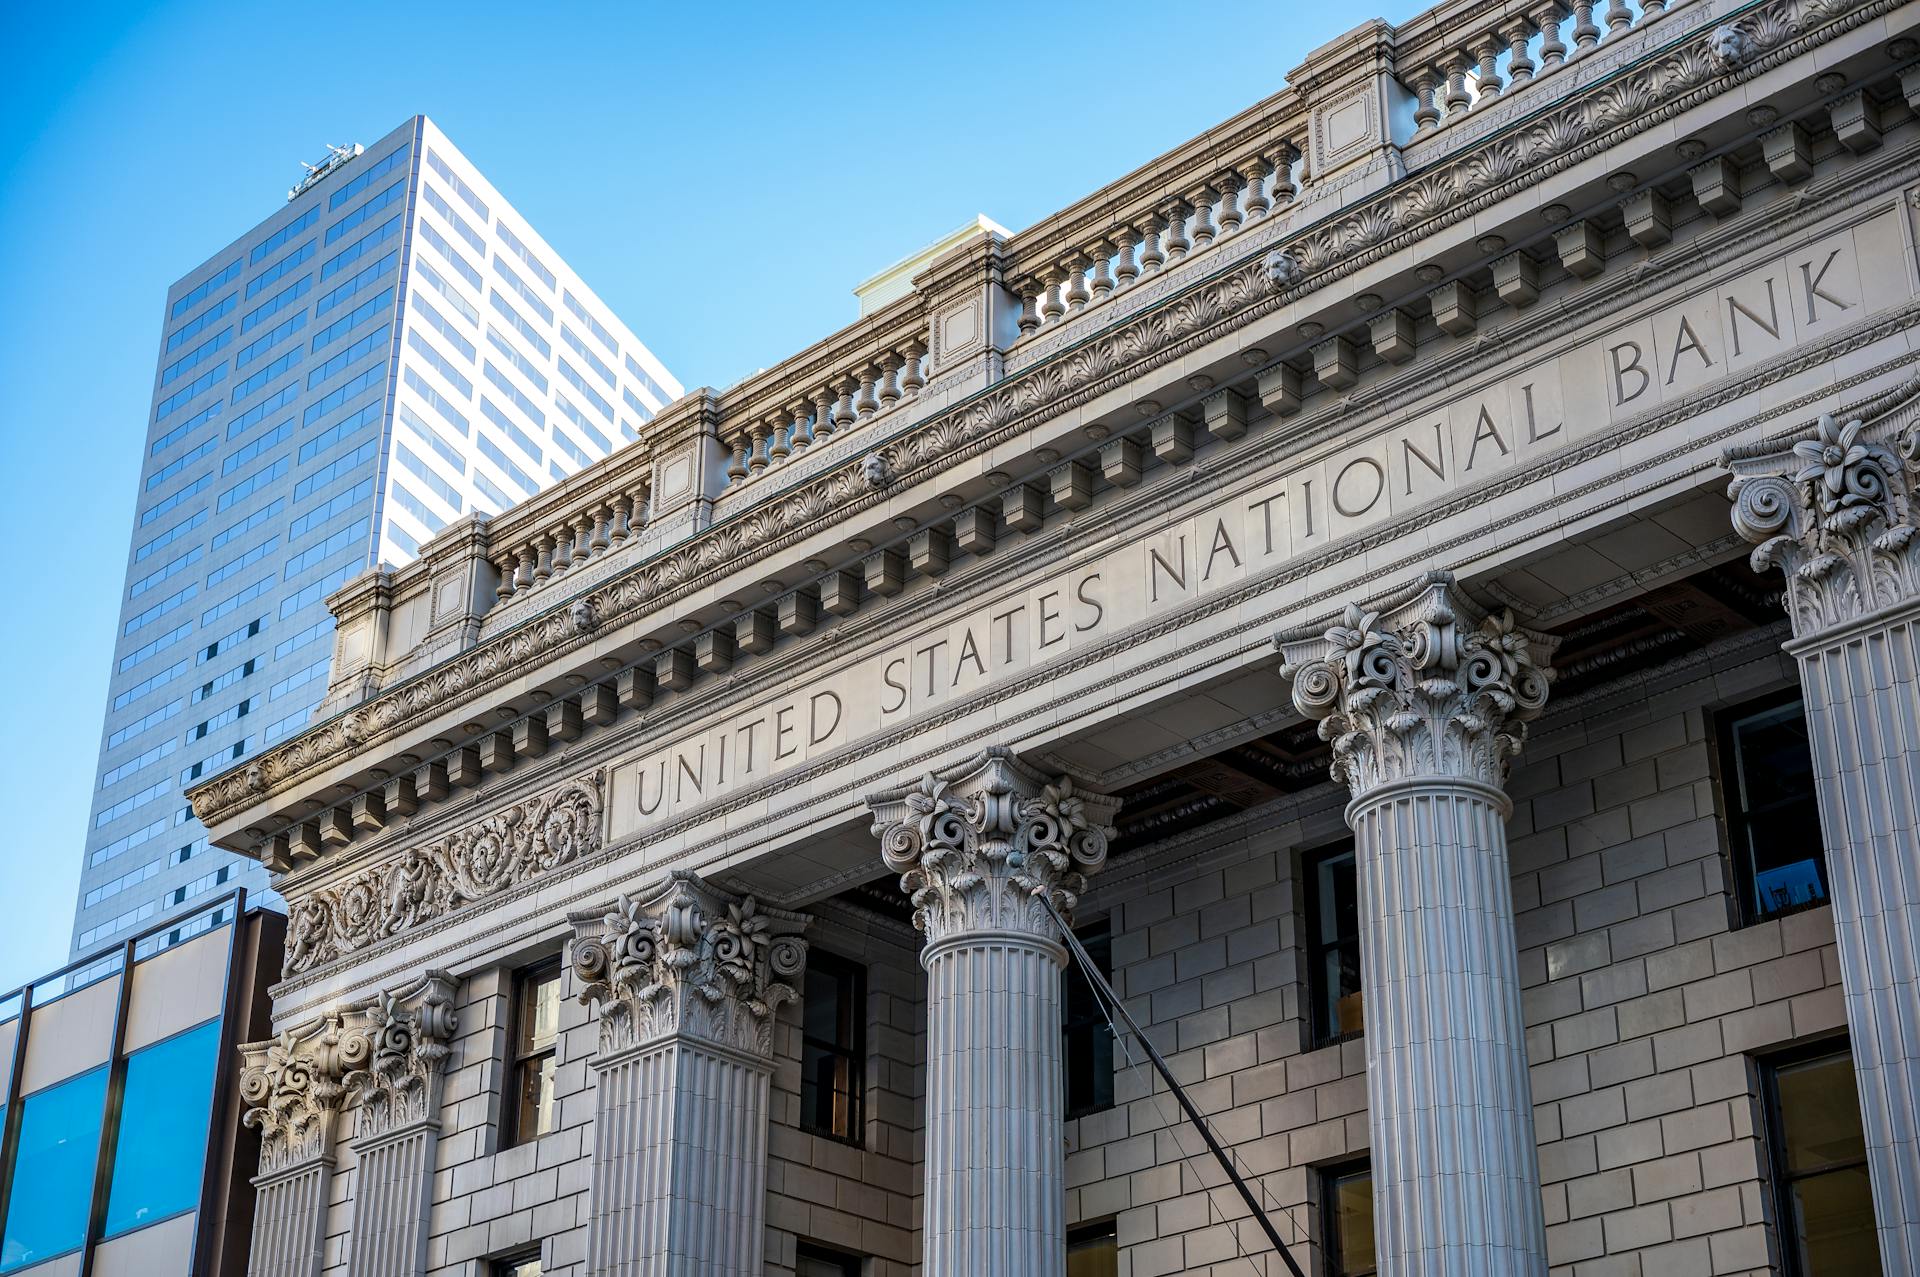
[(1862, 689), (1834, 510), (289, 1220), (392, 1197), (1456, 1175)]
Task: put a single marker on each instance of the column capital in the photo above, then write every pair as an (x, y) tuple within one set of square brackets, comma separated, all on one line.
[(688, 960), (1426, 685), (975, 845), (1833, 509), (386, 1053)]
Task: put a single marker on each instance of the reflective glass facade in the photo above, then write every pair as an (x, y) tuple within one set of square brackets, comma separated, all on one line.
[(291, 363)]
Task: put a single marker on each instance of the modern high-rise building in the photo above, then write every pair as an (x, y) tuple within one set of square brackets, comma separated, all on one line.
[(392, 349)]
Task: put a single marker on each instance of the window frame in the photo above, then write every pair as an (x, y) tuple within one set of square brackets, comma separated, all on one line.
[(850, 1264), (1780, 1180), (1321, 1031), (504, 1265), (1095, 1230), (1734, 818), (512, 1118), (854, 991), (1329, 1214), (1090, 935)]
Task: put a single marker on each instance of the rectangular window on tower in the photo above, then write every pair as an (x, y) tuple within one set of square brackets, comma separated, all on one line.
[(833, 1048), (1824, 1202), (1093, 1250), (1087, 1046), (1773, 820), (534, 1051), (1333, 944), (819, 1261), (1346, 1219)]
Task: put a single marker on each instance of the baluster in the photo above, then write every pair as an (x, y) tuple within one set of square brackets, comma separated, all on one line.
[(1652, 9), (562, 550), (823, 413), (1152, 255), (1177, 241), (778, 447), (1586, 33), (504, 569), (1102, 265), (1051, 307), (1202, 199), (1426, 114), (1259, 169), (1029, 291), (757, 459), (737, 468), (1458, 99), (1124, 269), (1552, 52), (843, 410), (1284, 191), (1229, 183), (543, 567), (582, 539), (622, 527), (523, 569), (865, 405), (602, 517), (1487, 78), (1076, 291), (1619, 17), (802, 429), (888, 385), (912, 378), (1520, 66)]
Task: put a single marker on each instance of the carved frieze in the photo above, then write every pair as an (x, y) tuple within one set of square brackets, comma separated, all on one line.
[(1425, 686), (975, 847), (1833, 510), (1640, 98), (386, 1054), (523, 842), (688, 959)]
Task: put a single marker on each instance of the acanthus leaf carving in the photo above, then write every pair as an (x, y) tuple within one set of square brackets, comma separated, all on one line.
[(1428, 686), (688, 959), (977, 846)]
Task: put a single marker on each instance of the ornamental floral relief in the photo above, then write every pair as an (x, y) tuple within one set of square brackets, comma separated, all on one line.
[(1427, 686), (422, 884), (688, 959), (1639, 98), (978, 846), (1833, 510), (385, 1054)]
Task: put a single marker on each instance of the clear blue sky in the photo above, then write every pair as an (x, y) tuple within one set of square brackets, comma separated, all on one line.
[(721, 174)]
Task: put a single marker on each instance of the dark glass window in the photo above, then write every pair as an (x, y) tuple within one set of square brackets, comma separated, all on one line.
[(162, 1142), (53, 1164), (1088, 1046), (536, 1028), (1773, 821), (818, 1261), (833, 1048), (1346, 1219), (518, 1266), (1825, 1203), (1333, 944), (1093, 1250)]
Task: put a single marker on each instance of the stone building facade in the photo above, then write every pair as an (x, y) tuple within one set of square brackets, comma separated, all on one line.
[(1340, 566)]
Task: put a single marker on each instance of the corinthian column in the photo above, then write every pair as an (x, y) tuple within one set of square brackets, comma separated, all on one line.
[(687, 979), (293, 1091), (1425, 702), (975, 848), (1833, 510)]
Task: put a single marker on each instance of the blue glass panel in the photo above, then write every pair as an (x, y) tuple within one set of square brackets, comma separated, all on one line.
[(53, 1170), (162, 1143)]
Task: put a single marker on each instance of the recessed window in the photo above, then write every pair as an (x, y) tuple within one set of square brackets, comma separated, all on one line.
[(1093, 1250), (833, 1048), (1087, 1048), (536, 1029), (1333, 944), (527, 1265), (1346, 1219), (59, 1141), (1825, 1204), (818, 1261), (1773, 820)]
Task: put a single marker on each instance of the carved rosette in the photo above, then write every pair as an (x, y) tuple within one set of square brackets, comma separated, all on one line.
[(1427, 686), (422, 884), (976, 846), (386, 1054), (1833, 510), (690, 960)]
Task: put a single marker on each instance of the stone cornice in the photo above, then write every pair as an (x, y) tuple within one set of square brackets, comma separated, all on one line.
[(1680, 76)]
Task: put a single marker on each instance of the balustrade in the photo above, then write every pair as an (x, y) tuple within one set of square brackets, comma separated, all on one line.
[(527, 562)]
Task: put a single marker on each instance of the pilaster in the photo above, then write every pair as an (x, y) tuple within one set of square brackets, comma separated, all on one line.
[(1353, 102), (1425, 701), (971, 316), (1833, 510), (361, 609), (976, 848), (687, 979)]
